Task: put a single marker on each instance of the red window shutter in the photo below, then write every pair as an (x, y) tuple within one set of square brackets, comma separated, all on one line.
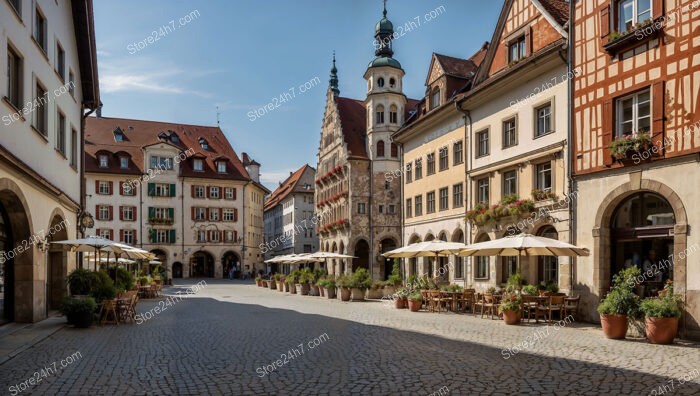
[(111, 235), (206, 215), (193, 193), (235, 215), (208, 236), (605, 21), (121, 213), (657, 8), (235, 236), (133, 208), (528, 42), (208, 191), (658, 111), (221, 214), (121, 188), (97, 212), (193, 212), (97, 186), (221, 236), (111, 188), (111, 212), (608, 128), (234, 193), (121, 236)]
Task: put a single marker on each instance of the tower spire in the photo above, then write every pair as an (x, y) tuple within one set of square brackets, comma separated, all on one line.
[(383, 35), (333, 82), (384, 8)]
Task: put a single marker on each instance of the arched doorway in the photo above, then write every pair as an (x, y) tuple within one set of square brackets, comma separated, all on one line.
[(7, 273), (231, 260), (202, 265), (177, 269), (362, 254), (387, 245), (458, 236), (56, 287), (641, 232), (548, 266)]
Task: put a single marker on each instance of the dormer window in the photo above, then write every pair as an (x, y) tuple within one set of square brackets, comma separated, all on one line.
[(124, 162), (435, 98), (221, 167), (104, 161), (203, 142), (174, 138), (118, 135), (517, 49), (198, 165)]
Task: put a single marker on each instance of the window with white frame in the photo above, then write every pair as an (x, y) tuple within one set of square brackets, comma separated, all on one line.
[(103, 213), (543, 116), (163, 236), (103, 188), (199, 191), (517, 49), (380, 115), (229, 236), (105, 233), (161, 162), (633, 12), (510, 136), (482, 139), (634, 113), (361, 208), (229, 193), (198, 165), (543, 174), (200, 214), (214, 236), (482, 190), (221, 167), (510, 183), (128, 213), (213, 214), (129, 237), (104, 161), (393, 114), (128, 189), (229, 214), (444, 159), (201, 236), (214, 192), (162, 190)]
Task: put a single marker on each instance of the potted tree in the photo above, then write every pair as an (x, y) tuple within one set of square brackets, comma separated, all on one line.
[(511, 308), (394, 280), (317, 275), (79, 311), (620, 304), (530, 289), (278, 282), (401, 298), (376, 290), (661, 316), (360, 281), (515, 282), (258, 280), (305, 277), (291, 281), (415, 301), (79, 281), (328, 286), (343, 284)]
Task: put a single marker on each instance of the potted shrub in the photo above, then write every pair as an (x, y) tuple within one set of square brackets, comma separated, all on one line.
[(394, 280), (376, 290), (279, 281), (401, 298), (530, 289), (328, 286), (79, 281), (360, 281), (515, 282), (292, 280), (620, 304), (415, 301), (79, 311), (552, 287), (305, 277), (511, 307), (541, 288), (316, 275), (271, 283), (343, 283), (258, 280), (661, 316)]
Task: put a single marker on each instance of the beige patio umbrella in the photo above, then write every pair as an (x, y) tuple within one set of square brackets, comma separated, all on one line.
[(434, 248), (91, 244), (523, 245)]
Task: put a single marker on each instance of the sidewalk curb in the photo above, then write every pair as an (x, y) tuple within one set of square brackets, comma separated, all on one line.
[(32, 342)]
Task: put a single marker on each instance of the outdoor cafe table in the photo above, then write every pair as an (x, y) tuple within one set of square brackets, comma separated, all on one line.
[(121, 304), (144, 291)]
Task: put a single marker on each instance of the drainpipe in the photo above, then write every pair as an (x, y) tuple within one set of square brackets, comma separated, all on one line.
[(83, 190), (402, 208), (570, 139), (467, 180), (371, 223), (182, 216), (243, 236)]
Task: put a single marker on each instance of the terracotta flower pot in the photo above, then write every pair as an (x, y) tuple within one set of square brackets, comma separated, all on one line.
[(414, 306), (614, 326), (357, 294), (661, 330), (399, 303), (313, 290), (259, 283), (264, 283), (345, 294), (330, 292), (292, 288), (303, 289), (511, 317), (272, 284), (388, 291)]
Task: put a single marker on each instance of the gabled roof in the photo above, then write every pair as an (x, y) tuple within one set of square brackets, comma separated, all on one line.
[(99, 137), (290, 185), (455, 67), (353, 123), (557, 9)]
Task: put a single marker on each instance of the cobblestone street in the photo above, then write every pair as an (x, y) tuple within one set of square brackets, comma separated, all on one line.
[(229, 339)]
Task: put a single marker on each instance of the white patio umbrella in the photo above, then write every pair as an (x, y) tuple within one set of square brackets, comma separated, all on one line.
[(434, 248), (523, 245), (91, 244)]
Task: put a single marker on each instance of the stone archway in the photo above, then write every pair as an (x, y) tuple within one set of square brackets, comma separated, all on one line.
[(202, 265), (177, 269), (57, 270), (19, 285), (231, 260), (362, 254), (162, 256)]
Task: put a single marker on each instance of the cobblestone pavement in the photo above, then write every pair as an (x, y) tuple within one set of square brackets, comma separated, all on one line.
[(229, 339)]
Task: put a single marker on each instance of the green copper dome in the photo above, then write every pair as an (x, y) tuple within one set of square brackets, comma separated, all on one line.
[(385, 61), (384, 26)]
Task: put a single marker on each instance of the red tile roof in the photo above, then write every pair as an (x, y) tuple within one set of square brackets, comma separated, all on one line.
[(354, 125), (558, 9), (455, 66), (99, 137), (287, 187)]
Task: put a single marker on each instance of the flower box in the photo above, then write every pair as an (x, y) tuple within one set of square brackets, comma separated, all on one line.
[(639, 34)]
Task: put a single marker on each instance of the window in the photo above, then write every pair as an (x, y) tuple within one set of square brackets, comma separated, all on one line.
[(40, 111), (443, 159), (104, 160), (457, 153), (418, 201), (361, 208), (482, 267), (103, 188), (381, 208), (221, 167), (393, 114), (128, 213), (435, 98), (103, 213), (392, 82), (163, 190), (510, 183), (458, 195), (419, 168), (430, 202), (40, 30), (543, 176), (444, 198), (214, 236), (229, 235), (200, 214), (409, 173), (163, 163), (203, 143), (129, 237), (124, 162), (128, 189), (509, 133), (73, 148), (165, 236), (380, 148), (201, 236), (105, 233), (229, 215), (409, 208), (431, 164), (544, 120), (161, 214), (118, 135), (17, 5), (214, 192), (380, 82), (61, 133), (482, 139), (634, 113), (509, 267), (482, 191), (14, 78), (198, 165), (60, 61), (230, 193), (394, 150), (213, 214), (380, 115), (632, 12), (387, 185), (199, 191), (517, 50), (71, 83)]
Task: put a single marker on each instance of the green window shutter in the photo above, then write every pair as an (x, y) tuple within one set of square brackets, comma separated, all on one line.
[(172, 236), (171, 213), (172, 190), (152, 235), (151, 213), (151, 189)]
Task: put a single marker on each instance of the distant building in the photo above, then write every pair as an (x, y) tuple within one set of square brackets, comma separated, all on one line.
[(289, 216), (358, 188), (179, 191), (49, 80)]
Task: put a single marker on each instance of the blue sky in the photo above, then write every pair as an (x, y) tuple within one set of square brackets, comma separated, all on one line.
[(241, 54)]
